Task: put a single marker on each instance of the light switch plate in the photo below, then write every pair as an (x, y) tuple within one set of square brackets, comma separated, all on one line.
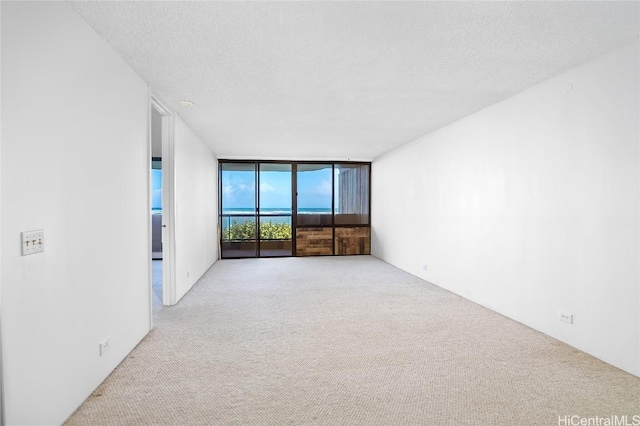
[(32, 242)]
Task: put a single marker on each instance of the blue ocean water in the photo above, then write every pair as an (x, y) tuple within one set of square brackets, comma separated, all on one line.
[(250, 210)]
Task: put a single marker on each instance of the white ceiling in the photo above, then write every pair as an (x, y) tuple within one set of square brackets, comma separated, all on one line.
[(348, 80)]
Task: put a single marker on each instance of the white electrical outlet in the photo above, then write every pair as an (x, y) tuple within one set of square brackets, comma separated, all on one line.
[(565, 317), (32, 242), (104, 346), (424, 267)]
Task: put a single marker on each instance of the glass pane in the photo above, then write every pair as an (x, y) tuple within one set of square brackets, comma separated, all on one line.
[(238, 188), (275, 189), (275, 209), (275, 236), (314, 194), (238, 202), (238, 236), (351, 194)]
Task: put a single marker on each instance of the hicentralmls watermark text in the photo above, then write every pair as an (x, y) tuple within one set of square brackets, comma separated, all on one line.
[(613, 420)]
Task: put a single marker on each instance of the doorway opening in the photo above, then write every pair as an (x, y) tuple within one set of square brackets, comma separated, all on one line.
[(162, 206), (156, 208)]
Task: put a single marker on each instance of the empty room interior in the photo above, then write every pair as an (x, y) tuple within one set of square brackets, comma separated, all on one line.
[(326, 213)]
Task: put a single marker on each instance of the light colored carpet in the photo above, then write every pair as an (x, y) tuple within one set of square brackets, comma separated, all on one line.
[(156, 285), (347, 341)]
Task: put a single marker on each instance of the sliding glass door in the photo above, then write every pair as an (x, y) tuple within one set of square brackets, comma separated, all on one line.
[(256, 209)]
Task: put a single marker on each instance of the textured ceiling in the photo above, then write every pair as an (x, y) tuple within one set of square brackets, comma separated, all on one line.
[(348, 80)]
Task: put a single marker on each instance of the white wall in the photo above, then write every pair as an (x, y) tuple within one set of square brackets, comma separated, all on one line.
[(2, 417), (196, 199), (156, 133), (75, 163), (530, 206)]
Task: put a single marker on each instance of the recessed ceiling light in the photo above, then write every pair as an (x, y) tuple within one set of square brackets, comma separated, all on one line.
[(187, 104)]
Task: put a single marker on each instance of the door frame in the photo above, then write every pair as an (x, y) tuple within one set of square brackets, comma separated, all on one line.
[(168, 204)]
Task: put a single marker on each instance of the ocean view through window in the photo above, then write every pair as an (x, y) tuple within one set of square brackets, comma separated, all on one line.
[(268, 207)]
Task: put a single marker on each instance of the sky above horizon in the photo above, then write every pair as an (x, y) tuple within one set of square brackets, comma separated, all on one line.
[(239, 189), (156, 189)]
